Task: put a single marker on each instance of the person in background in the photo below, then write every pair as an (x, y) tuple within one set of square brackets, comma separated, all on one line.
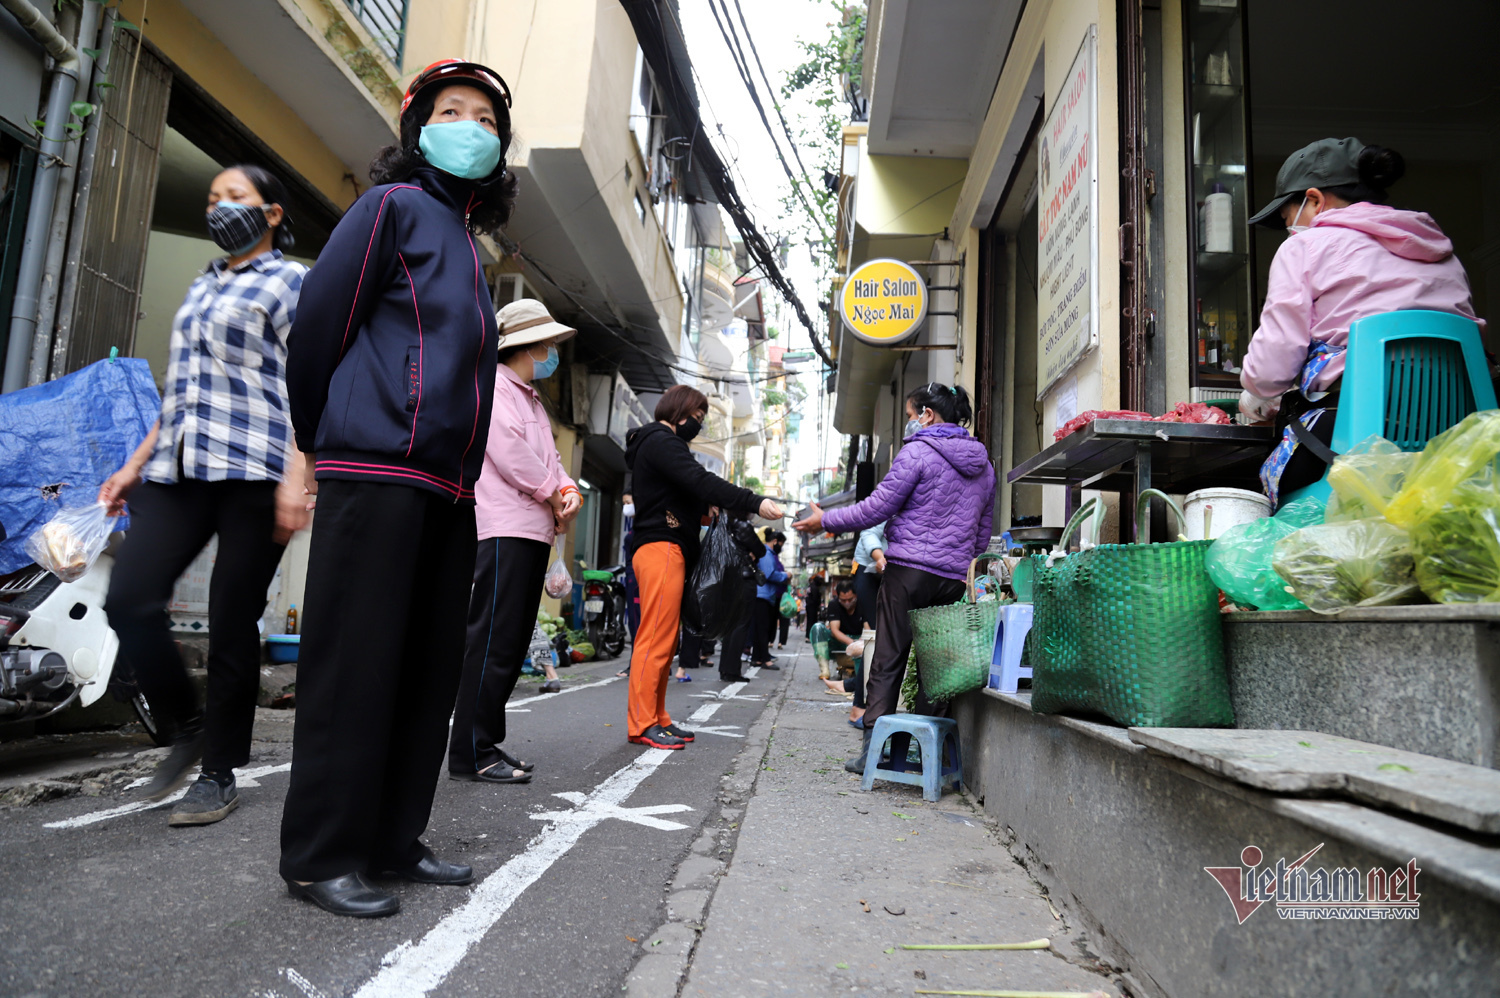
[(869, 567), (524, 499), (846, 624), (391, 375), (730, 663), (632, 589), (763, 624), (783, 622), (673, 493), (938, 499), (1348, 255), (812, 609), (219, 462)]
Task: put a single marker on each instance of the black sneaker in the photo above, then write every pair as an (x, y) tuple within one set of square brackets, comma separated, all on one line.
[(207, 801), (657, 738), (677, 732), (173, 771)]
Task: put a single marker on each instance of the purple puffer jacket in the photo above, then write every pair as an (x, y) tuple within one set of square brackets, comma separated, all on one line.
[(939, 497)]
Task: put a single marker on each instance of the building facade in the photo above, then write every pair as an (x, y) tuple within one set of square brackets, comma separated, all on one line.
[(1088, 168)]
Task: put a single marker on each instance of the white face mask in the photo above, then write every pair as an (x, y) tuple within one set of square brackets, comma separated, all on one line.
[(630, 509), (1294, 228)]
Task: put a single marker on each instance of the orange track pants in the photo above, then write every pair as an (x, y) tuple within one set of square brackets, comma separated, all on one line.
[(660, 571)]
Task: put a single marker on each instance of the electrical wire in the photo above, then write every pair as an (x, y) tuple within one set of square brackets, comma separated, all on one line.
[(651, 34), (785, 128), (742, 66)]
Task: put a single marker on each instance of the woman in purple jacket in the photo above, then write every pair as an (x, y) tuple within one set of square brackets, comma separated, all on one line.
[(939, 497)]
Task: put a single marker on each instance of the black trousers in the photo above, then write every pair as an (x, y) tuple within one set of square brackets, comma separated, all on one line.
[(388, 582), (733, 644), (508, 573), (169, 524), (866, 590), (762, 624), (902, 591), (783, 625)]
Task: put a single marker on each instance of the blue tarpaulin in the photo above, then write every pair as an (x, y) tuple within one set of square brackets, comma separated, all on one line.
[(61, 440)]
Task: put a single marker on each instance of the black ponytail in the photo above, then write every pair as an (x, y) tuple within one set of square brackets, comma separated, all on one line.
[(950, 403), (1379, 168)]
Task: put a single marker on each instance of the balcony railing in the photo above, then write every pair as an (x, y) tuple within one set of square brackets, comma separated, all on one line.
[(386, 20)]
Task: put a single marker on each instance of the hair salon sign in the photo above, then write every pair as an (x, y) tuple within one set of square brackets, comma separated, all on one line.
[(883, 302), (1068, 222)]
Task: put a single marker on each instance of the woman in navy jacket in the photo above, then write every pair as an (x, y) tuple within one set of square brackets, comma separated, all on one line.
[(390, 373)]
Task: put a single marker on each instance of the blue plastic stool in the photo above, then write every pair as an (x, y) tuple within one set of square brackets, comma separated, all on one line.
[(941, 759), (1408, 376)]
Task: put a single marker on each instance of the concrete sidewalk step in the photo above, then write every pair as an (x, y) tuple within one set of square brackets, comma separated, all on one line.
[(826, 884), (1312, 763)]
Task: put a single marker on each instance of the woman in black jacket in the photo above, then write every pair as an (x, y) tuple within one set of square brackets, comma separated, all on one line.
[(673, 493), (391, 373)]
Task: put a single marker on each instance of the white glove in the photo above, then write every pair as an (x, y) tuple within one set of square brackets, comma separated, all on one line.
[(1257, 409)]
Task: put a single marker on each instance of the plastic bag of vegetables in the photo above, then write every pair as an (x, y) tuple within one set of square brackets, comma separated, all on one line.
[(1449, 459), (1365, 479), (1332, 566), (1240, 560), (1458, 548)]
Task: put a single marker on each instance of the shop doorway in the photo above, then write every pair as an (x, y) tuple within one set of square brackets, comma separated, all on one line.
[(1418, 78), (1266, 77), (199, 139)]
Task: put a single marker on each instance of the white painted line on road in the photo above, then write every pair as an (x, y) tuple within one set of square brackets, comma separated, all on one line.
[(751, 671), (566, 689), (726, 730), (243, 778), (302, 983), (413, 970), (594, 812)]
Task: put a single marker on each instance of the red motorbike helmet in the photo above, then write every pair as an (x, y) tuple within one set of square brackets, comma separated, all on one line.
[(446, 71)]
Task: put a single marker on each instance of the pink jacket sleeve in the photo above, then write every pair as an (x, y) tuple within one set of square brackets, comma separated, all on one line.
[(1278, 350), (512, 456)]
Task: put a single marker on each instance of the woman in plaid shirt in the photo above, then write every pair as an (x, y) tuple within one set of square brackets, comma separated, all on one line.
[(218, 462)]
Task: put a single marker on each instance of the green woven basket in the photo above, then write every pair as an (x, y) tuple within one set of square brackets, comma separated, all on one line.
[(953, 644), (1130, 631)]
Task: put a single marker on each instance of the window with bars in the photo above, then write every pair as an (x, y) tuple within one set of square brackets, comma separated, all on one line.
[(386, 20)]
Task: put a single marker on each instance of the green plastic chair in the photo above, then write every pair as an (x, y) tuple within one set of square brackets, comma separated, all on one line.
[(1408, 376)]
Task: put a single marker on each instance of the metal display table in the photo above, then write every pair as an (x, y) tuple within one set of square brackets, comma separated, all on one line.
[(1127, 456)]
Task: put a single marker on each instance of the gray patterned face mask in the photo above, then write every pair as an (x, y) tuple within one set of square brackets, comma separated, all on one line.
[(235, 228)]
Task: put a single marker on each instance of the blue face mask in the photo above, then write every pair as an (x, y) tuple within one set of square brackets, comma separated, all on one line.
[(545, 368), (463, 148)]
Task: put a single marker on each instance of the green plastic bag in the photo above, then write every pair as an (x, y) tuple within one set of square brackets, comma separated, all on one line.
[(1240, 560), (1449, 459), (1366, 478), (1332, 566), (821, 636), (1457, 548), (788, 605)]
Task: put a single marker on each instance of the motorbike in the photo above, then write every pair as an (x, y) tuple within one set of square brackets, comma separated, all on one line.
[(57, 648), (604, 610)]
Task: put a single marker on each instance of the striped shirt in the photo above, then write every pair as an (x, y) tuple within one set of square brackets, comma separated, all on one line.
[(224, 407)]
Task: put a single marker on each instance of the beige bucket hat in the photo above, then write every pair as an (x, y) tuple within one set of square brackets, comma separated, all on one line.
[(527, 320)]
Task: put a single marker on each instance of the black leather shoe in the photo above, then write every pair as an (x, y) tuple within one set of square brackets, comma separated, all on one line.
[(770, 665), (350, 895), (430, 870)]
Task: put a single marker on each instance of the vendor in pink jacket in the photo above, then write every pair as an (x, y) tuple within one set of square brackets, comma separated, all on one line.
[(1347, 255), (523, 500)]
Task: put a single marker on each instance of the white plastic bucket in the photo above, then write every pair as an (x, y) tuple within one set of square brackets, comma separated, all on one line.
[(1230, 507)]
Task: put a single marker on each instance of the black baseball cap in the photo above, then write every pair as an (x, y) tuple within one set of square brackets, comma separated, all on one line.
[(1322, 164)]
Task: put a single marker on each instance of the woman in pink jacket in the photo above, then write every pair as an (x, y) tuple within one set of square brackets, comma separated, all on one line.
[(1348, 255), (523, 499)]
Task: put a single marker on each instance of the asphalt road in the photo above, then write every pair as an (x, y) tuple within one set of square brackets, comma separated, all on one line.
[(97, 898)]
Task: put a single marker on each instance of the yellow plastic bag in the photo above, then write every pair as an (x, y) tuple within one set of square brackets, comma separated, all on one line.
[(1450, 458), (1365, 479)]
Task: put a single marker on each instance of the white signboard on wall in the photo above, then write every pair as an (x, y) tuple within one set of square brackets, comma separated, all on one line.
[(1068, 222)]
